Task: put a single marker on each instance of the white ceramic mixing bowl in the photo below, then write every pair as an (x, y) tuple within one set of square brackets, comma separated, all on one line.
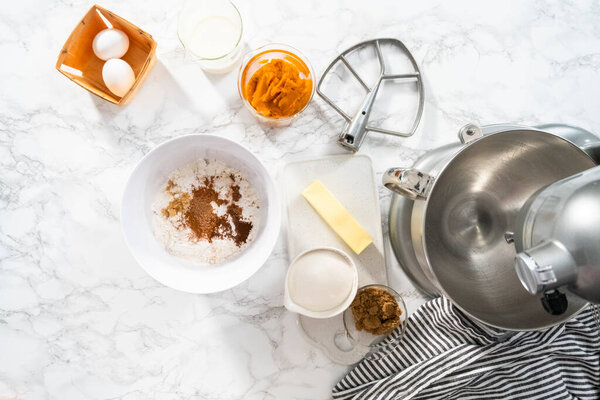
[(150, 176)]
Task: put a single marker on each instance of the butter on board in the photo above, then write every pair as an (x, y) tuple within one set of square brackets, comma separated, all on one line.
[(337, 217)]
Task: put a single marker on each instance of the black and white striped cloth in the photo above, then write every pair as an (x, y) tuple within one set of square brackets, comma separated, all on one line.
[(443, 355)]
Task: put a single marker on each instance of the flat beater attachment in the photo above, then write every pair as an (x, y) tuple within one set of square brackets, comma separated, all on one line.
[(357, 126)]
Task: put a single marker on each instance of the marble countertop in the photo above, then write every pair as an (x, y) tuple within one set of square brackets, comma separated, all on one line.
[(79, 319)]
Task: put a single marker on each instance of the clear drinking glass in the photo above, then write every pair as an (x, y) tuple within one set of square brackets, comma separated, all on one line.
[(211, 31)]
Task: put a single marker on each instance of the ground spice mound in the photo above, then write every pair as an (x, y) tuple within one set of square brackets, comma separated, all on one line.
[(177, 205), (235, 193), (242, 227), (375, 311), (202, 214)]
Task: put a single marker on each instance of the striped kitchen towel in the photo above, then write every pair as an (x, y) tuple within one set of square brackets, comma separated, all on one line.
[(444, 355)]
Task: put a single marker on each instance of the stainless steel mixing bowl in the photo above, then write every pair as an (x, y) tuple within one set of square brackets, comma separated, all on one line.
[(464, 206)]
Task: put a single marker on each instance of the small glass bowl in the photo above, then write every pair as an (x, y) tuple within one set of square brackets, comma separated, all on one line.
[(195, 11), (253, 60), (376, 346)]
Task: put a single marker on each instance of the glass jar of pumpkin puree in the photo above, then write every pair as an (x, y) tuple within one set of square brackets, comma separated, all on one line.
[(276, 83)]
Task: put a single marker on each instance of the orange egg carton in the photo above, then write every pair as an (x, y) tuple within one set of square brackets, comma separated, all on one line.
[(78, 62)]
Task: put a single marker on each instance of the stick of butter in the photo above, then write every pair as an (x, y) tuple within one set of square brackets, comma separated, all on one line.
[(337, 217)]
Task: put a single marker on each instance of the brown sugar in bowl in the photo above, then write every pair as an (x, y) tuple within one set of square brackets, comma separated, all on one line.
[(388, 323), (78, 62)]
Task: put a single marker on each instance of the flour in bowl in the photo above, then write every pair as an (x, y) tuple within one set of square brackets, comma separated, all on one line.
[(206, 212)]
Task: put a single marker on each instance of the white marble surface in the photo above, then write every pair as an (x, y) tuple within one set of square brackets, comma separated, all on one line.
[(80, 320)]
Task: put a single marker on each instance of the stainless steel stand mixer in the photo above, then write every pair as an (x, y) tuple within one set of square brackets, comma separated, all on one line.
[(466, 211)]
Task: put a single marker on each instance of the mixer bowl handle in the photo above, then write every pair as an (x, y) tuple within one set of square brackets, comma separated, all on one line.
[(408, 182)]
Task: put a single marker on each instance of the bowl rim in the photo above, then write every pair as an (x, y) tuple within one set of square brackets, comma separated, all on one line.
[(257, 262)]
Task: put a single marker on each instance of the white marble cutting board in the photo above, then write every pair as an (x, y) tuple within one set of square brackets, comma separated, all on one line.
[(350, 179)]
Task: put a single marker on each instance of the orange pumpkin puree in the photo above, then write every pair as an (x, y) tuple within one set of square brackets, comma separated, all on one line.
[(279, 88)]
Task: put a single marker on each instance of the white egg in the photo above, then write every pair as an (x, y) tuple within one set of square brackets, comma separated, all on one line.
[(118, 76), (110, 43)]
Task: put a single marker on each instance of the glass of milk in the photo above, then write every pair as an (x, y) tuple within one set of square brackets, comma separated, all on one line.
[(211, 31)]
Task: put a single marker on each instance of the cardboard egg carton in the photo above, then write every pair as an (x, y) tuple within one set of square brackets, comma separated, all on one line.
[(78, 62)]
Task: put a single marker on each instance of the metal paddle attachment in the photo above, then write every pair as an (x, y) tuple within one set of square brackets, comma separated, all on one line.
[(357, 126)]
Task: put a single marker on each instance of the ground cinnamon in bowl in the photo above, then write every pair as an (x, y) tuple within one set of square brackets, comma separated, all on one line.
[(375, 311), (204, 219)]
